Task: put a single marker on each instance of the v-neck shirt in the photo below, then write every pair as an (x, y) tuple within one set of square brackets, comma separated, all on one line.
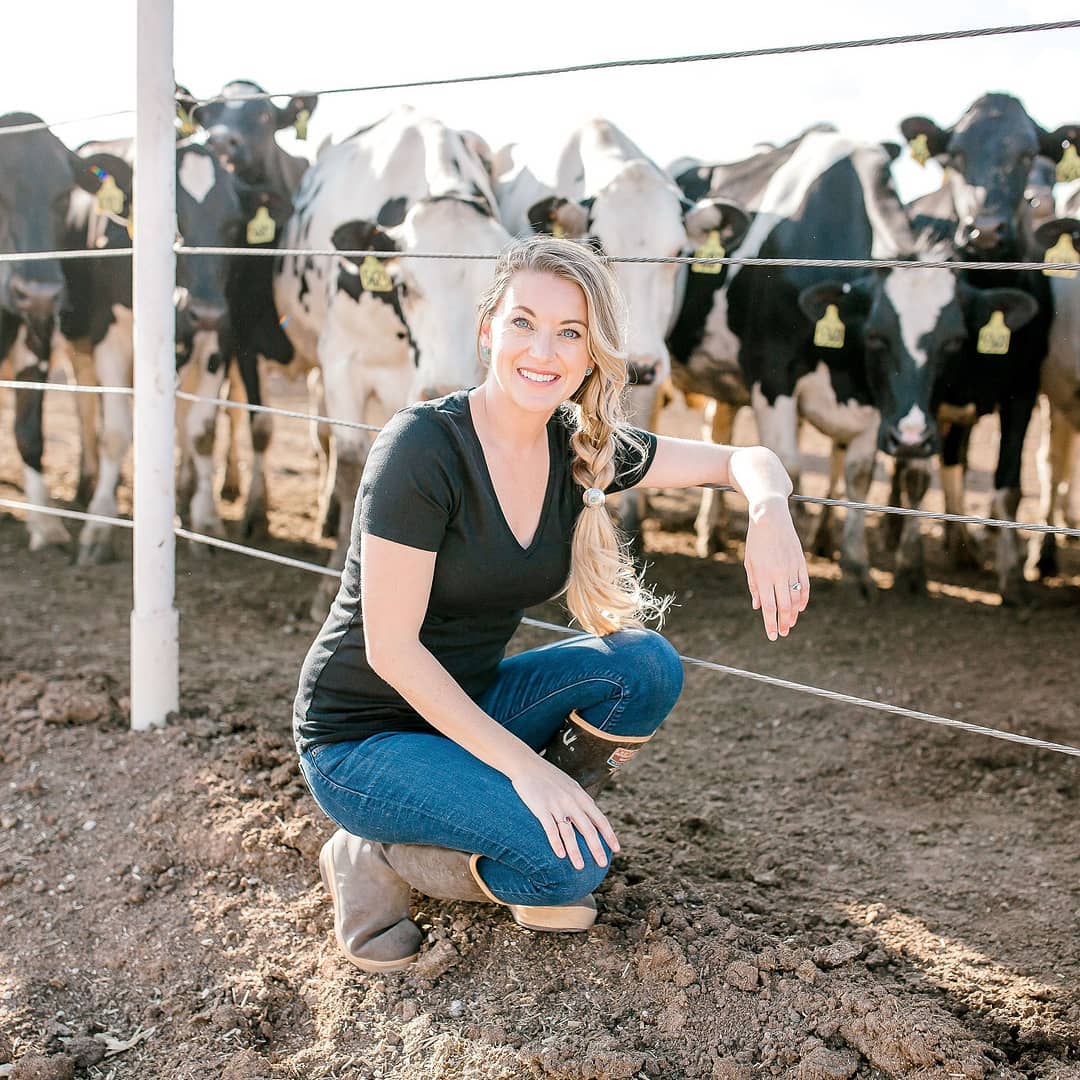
[(426, 484)]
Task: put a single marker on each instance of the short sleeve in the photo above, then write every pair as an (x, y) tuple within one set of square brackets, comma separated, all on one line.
[(406, 493), (634, 453)]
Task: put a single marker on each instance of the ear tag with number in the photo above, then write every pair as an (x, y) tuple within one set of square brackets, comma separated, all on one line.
[(110, 199), (1062, 251), (920, 149), (300, 123), (711, 249), (373, 277), (1068, 168), (557, 231), (829, 329), (994, 336), (261, 228), (186, 122)]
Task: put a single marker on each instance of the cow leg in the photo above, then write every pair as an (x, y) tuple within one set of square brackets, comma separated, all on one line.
[(198, 428), (893, 527), (778, 429), (858, 475), (113, 358), (1015, 416), (910, 563), (1055, 449), (961, 550), (80, 365), (822, 543), (44, 529), (328, 517), (633, 506), (230, 482), (711, 526), (255, 524)]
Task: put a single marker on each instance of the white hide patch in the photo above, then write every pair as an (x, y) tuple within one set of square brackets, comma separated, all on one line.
[(196, 175), (912, 427), (918, 297)]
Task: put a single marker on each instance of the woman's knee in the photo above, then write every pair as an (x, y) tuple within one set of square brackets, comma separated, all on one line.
[(651, 667), (559, 882)]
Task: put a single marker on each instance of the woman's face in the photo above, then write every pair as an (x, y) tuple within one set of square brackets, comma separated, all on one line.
[(538, 340)]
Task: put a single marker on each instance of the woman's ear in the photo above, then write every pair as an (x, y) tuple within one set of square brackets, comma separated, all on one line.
[(485, 332)]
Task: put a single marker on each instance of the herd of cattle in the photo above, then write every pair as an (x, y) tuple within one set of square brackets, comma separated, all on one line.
[(899, 362)]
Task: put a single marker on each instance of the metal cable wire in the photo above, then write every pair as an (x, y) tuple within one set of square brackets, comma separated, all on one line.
[(56, 511), (76, 388), (78, 253), (276, 412), (770, 680), (732, 54), (43, 125), (683, 260)]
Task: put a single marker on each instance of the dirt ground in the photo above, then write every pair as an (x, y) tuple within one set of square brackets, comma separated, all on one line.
[(806, 890)]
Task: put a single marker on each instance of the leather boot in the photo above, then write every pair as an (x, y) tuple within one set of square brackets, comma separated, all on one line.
[(371, 904), (452, 875), (589, 755)]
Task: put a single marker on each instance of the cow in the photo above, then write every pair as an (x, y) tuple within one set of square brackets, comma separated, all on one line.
[(909, 324), (387, 332), (606, 190), (1060, 381), (744, 336), (38, 177), (98, 323), (242, 130), (982, 212)]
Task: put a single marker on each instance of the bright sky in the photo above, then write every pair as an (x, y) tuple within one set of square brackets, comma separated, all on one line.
[(73, 60)]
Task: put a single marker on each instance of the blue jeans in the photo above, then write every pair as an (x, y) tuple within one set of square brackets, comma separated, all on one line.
[(423, 788)]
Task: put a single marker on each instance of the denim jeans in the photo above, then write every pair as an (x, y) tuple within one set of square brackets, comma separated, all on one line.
[(423, 788)]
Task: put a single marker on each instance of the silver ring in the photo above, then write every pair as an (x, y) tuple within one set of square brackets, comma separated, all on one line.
[(796, 586)]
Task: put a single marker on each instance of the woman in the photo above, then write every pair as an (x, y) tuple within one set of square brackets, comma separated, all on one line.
[(448, 768)]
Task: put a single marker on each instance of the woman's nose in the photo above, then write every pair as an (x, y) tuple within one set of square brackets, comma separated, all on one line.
[(543, 345)]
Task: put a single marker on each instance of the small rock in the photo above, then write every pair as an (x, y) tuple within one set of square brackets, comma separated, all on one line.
[(40, 1067), (89, 825), (840, 952), (409, 1009), (8, 821), (5, 1049), (86, 1051), (821, 1063), (741, 975), (246, 1065), (807, 971), (437, 960), (457, 1009)]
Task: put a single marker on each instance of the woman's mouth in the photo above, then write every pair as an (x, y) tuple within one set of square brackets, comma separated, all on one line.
[(540, 377)]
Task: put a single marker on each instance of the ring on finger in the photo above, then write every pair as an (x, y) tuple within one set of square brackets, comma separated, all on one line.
[(796, 586)]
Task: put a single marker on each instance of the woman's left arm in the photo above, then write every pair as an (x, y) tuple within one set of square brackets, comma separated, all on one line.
[(775, 565)]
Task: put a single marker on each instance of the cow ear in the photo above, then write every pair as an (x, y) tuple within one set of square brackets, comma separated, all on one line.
[(891, 148), (202, 116), (1019, 308), (559, 217), (362, 236), (937, 139), (287, 113), (848, 298), (1052, 143), (1050, 232), (716, 215), (90, 173)]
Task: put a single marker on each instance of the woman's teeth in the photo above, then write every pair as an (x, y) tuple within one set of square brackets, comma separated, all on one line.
[(536, 377)]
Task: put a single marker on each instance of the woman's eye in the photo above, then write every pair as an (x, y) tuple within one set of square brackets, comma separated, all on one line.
[(521, 323), (571, 333)]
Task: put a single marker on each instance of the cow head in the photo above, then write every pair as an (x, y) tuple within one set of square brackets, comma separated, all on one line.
[(989, 153), (241, 131), (911, 324), (209, 213)]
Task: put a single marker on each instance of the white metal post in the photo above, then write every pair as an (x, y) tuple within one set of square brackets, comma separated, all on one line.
[(155, 622)]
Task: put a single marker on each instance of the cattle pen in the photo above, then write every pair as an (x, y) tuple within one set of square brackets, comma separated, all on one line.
[(157, 698)]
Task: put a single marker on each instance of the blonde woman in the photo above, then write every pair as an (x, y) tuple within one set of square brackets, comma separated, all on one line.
[(447, 767)]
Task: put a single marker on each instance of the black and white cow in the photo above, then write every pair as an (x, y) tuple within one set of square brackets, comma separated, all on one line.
[(910, 324), (242, 132), (982, 211), (607, 189), (389, 332), (98, 323), (821, 196), (38, 176)]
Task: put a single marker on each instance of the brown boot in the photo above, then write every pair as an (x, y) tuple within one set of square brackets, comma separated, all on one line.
[(589, 755), (452, 875), (371, 904)]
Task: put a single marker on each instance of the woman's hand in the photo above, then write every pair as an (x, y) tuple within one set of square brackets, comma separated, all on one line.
[(552, 796), (775, 566)]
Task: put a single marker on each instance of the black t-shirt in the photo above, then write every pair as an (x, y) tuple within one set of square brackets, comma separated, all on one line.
[(426, 484)]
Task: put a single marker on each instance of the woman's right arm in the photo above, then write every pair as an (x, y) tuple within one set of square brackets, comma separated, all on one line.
[(395, 591)]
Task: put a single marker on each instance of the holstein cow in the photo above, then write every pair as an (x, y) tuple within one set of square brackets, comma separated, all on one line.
[(1060, 378), (242, 131), (98, 323), (38, 175), (394, 331), (910, 324), (982, 211), (606, 189), (822, 196)]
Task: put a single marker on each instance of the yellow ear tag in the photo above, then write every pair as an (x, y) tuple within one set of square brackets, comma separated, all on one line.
[(300, 123), (131, 224), (711, 249), (373, 277), (994, 336), (261, 228), (110, 199), (920, 149), (187, 124), (1068, 168), (829, 329), (1062, 251), (557, 231)]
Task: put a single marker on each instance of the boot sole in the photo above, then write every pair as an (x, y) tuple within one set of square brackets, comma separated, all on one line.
[(360, 962), (559, 921)]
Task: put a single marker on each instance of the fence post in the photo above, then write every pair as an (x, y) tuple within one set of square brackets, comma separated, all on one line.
[(155, 657)]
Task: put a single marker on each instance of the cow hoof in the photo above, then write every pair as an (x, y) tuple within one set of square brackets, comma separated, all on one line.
[(96, 553), (230, 491), (822, 544), (320, 604), (328, 527), (1047, 562), (710, 544), (911, 581), (48, 532), (1015, 592), (85, 491), (255, 526), (860, 585)]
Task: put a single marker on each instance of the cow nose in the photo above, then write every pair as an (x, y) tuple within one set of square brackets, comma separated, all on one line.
[(36, 299), (205, 315), (226, 145), (642, 372), (986, 233), (908, 443)]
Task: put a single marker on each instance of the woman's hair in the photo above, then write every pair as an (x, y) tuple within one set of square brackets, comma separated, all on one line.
[(603, 592)]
